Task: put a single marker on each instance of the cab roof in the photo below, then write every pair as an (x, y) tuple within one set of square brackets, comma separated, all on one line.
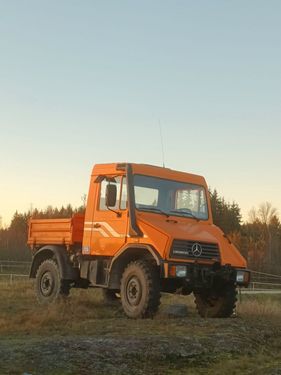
[(148, 170)]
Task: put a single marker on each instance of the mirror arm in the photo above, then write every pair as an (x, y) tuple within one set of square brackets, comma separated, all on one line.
[(116, 212)]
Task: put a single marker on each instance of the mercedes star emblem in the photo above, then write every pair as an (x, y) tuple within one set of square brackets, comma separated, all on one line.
[(196, 249)]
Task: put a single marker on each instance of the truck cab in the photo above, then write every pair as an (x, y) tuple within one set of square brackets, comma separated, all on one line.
[(145, 230)]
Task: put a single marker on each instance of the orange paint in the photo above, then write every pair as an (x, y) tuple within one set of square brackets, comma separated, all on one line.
[(104, 232)]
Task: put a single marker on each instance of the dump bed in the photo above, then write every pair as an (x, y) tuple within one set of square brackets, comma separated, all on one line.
[(56, 231)]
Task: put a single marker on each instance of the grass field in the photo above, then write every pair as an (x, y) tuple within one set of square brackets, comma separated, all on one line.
[(83, 336)]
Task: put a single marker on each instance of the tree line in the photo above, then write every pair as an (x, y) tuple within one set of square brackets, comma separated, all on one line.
[(13, 239), (258, 239)]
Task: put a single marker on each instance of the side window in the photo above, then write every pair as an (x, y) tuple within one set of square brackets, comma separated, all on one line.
[(121, 197), (123, 202), (112, 181)]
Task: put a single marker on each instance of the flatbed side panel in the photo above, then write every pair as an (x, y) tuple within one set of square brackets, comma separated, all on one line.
[(50, 231)]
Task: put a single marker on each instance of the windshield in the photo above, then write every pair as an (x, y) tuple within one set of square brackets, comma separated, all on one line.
[(170, 197)]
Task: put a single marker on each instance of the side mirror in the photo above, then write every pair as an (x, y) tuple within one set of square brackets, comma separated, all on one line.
[(110, 195)]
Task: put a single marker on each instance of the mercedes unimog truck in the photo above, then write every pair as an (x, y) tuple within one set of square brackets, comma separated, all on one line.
[(145, 230)]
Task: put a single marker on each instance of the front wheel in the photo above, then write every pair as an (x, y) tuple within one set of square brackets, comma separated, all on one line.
[(140, 290), (110, 297), (216, 302), (48, 284)]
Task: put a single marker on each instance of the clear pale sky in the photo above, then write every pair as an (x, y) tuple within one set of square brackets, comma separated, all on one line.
[(84, 82)]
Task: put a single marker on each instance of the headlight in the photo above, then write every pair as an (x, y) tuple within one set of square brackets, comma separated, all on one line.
[(242, 277), (180, 271)]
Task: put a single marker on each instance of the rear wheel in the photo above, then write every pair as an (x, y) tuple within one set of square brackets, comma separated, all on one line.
[(48, 284), (216, 303), (140, 290)]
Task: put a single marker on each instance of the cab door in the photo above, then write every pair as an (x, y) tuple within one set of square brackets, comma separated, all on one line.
[(109, 226)]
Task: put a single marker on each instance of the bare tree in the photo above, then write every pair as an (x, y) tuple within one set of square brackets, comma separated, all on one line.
[(266, 212), (253, 216), (84, 200)]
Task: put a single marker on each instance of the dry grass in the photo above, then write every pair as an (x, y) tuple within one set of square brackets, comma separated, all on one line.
[(260, 307), (257, 327), (21, 312), (85, 312)]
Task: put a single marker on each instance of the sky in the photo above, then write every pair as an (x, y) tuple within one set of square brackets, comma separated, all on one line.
[(85, 82)]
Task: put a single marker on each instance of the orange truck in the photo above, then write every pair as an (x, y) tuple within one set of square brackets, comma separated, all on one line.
[(145, 230)]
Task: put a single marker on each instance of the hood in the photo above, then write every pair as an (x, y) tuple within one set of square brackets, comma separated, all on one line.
[(161, 232)]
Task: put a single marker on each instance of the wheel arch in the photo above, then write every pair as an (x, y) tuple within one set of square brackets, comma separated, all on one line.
[(127, 254), (59, 253)]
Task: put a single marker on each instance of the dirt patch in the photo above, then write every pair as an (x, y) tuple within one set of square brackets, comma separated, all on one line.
[(135, 355), (84, 336)]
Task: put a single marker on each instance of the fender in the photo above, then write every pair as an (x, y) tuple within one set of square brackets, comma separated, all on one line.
[(124, 256), (67, 271), (147, 247)]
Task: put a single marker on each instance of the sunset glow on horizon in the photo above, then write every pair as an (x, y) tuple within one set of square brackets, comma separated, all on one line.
[(86, 83)]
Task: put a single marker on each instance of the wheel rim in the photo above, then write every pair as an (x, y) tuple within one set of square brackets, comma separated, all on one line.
[(133, 291), (47, 284)]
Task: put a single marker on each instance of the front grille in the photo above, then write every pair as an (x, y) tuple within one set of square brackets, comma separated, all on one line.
[(194, 250)]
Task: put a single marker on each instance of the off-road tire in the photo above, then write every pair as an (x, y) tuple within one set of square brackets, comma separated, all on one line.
[(48, 283), (140, 290), (218, 303), (110, 297)]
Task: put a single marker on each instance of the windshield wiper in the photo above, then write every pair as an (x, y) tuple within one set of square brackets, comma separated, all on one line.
[(185, 212), (154, 209)]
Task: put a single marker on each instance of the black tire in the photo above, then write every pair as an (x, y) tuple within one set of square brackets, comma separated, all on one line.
[(140, 290), (110, 297), (219, 303), (48, 284)]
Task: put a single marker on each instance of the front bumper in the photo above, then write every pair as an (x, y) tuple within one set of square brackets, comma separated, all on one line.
[(203, 275)]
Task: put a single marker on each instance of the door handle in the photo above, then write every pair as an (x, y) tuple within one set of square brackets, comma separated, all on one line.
[(97, 225)]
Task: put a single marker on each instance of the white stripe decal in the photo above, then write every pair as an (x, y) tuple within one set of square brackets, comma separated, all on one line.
[(109, 228), (101, 231), (106, 226)]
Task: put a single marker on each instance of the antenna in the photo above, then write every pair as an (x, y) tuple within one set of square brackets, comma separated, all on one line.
[(162, 143)]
